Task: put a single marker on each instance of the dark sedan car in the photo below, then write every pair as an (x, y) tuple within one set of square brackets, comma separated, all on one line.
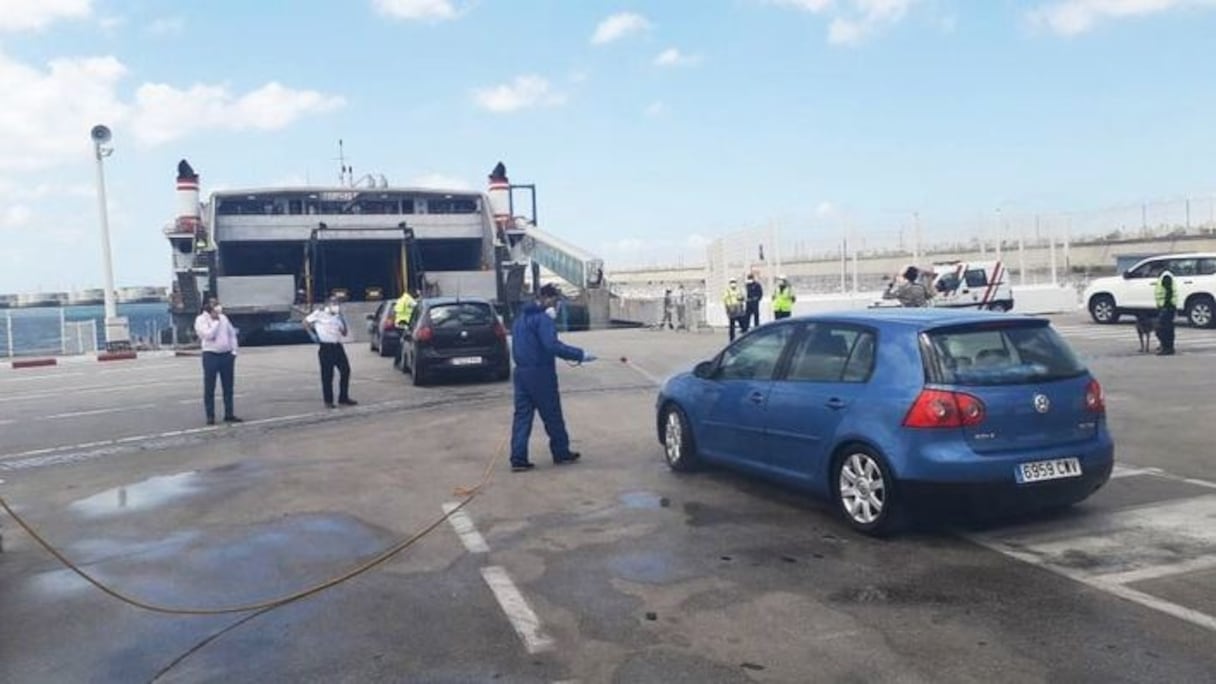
[(383, 331), (449, 336), (882, 409)]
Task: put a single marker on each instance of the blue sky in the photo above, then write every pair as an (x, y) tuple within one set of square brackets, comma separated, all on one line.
[(649, 127)]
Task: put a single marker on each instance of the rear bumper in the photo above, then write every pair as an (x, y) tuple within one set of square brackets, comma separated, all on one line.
[(1003, 496), (443, 362)]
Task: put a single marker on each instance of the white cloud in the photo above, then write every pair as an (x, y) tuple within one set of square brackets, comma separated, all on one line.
[(49, 124), (696, 241), (525, 92), (16, 216), (164, 112), (418, 10), (853, 21), (656, 108), (1072, 17), (672, 57), (619, 26), (166, 26), (25, 15), (825, 209), (439, 181)]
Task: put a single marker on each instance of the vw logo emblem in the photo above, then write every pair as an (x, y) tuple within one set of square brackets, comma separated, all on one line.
[(465, 333), (1041, 403)]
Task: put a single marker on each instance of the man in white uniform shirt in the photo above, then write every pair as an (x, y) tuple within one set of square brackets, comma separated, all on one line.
[(218, 337), (328, 327)]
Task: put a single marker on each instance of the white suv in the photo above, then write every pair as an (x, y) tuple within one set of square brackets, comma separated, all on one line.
[(1133, 292)]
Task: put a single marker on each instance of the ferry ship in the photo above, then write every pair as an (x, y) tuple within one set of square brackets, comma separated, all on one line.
[(272, 254)]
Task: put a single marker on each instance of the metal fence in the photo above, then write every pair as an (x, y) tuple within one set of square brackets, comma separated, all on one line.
[(51, 332)]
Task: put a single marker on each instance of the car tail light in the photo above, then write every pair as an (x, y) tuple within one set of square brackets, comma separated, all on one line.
[(423, 334), (1094, 401), (943, 409), (499, 330)]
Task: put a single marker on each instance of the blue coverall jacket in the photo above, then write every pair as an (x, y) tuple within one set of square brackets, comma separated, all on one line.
[(535, 349)]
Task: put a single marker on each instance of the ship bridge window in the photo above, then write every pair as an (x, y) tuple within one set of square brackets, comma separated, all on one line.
[(451, 205), (237, 206)]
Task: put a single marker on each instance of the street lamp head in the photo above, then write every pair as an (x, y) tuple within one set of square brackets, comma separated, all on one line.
[(100, 134)]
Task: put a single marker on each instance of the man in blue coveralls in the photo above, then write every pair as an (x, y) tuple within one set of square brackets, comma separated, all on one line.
[(535, 348)]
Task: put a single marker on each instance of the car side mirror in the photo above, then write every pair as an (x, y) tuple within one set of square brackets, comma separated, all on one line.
[(1127, 275), (370, 316), (704, 370)]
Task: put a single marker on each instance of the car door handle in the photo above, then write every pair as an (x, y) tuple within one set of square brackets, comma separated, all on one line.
[(756, 397), (836, 403), (1186, 282)]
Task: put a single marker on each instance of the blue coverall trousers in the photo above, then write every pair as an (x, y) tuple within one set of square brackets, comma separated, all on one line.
[(536, 391)]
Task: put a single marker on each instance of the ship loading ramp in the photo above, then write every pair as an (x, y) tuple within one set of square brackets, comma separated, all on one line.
[(581, 272)]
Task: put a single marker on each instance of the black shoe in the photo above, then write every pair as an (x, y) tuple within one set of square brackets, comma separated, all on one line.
[(330, 404), (348, 402), (569, 458), (522, 467), (211, 421), (232, 419), (1165, 352)]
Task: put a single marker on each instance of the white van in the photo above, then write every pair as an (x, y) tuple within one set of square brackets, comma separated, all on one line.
[(1134, 292), (972, 285)]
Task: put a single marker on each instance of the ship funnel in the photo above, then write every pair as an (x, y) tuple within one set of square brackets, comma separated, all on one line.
[(187, 195), (500, 200)]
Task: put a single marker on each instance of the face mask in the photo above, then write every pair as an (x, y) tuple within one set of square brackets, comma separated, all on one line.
[(217, 309), (551, 312), (334, 309)]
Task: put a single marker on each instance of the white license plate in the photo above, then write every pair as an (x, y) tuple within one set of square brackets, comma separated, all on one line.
[(1038, 471), (466, 361)]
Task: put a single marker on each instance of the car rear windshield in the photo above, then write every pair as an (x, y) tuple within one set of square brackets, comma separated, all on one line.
[(461, 315), (998, 355)]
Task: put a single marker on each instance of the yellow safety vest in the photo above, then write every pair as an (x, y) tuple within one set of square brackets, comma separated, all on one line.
[(783, 300), (733, 299), (1159, 292), (404, 309)]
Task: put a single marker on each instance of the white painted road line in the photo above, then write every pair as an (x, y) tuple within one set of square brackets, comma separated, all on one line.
[(525, 622), (1207, 562), (95, 412), (463, 524), (1132, 471), (1111, 550)]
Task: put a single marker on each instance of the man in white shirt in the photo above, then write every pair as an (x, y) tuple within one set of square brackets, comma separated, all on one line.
[(328, 327), (218, 337)]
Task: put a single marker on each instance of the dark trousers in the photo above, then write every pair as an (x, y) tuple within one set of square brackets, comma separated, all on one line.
[(221, 364), (1165, 327), (778, 315), (536, 392), (741, 322), (753, 315), (333, 355)]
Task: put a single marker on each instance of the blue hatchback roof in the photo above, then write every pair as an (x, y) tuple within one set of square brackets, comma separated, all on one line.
[(920, 318)]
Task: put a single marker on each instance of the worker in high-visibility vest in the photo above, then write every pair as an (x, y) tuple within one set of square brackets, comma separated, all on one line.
[(404, 309), (783, 299), (736, 311), (1167, 311)]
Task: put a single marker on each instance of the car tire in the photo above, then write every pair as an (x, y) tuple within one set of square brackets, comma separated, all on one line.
[(1000, 307), (864, 491), (1201, 311), (679, 450), (503, 374), (418, 376), (1103, 310)]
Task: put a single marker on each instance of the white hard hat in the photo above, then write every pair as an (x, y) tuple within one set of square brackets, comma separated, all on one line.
[(782, 277)]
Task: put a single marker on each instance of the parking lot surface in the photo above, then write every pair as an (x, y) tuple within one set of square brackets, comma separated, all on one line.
[(610, 570)]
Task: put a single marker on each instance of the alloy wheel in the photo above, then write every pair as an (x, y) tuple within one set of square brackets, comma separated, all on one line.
[(673, 437), (863, 492)]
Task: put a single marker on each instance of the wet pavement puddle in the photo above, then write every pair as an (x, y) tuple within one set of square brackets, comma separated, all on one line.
[(149, 493)]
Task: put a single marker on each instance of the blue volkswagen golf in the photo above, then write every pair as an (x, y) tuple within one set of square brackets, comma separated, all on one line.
[(883, 410)]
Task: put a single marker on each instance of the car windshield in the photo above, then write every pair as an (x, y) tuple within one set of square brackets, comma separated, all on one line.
[(460, 315), (1004, 355)]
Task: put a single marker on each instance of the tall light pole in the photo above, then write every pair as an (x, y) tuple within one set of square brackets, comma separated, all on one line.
[(118, 336)]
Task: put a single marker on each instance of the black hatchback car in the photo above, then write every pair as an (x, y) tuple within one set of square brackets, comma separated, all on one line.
[(455, 336)]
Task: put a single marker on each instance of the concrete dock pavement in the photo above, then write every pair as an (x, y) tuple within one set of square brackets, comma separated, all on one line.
[(613, 569)]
